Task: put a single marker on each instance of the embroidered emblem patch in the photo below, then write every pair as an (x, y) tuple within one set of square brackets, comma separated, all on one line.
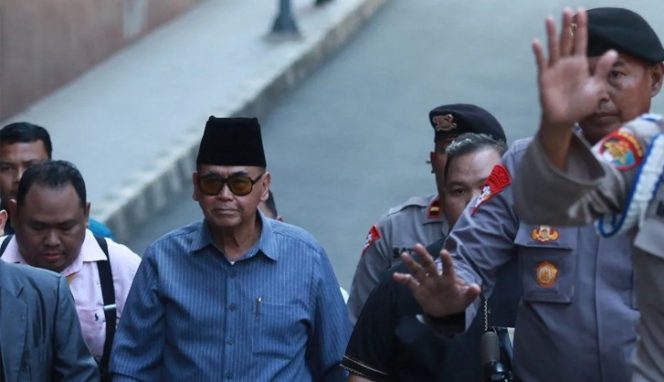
[(433, 212), (495, 183), (621, 149), (546, 274), (444, 122), (372, 236), (544, 233)]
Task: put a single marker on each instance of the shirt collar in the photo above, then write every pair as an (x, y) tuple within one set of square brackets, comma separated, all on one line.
[(265, 244)]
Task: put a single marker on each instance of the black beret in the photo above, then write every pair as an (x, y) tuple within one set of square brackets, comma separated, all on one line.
[(457, 119), (625, 31), (232, 142)]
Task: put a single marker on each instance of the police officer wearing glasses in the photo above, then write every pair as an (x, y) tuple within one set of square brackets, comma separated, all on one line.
[(237, 295)]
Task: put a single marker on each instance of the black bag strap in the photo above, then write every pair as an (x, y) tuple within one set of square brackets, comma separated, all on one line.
[(5, 243), (108, 295)]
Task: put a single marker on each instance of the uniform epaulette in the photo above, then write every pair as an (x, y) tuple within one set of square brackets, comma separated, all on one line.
[(418, 201)]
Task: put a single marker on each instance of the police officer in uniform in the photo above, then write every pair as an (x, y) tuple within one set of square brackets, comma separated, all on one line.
[(563, 181), (578, 312), (419, 219)]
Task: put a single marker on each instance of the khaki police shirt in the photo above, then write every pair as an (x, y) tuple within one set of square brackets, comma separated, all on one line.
[(419, 220), (591, 188)]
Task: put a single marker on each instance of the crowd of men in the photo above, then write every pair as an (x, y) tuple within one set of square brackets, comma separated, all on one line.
[(507, 241)]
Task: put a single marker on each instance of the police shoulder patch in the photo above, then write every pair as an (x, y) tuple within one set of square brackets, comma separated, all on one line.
[(495, 183), (622, 149), (372, 236)]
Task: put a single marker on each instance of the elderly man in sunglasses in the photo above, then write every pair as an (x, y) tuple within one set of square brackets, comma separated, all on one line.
[(236, 296)]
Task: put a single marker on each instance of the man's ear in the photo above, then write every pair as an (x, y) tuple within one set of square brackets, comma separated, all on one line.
[(87, 212), (656, 76), (3, 220), (266, 180)]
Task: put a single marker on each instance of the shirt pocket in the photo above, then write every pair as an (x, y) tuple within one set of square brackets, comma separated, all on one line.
[(278, 331), (547, 262), (93, 328)]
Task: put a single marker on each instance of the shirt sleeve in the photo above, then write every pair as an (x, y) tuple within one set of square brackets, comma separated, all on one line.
[(331, 325), (139, 341), (72, 360), (482, 239), (587, 190), (374, 261), (371, 349)]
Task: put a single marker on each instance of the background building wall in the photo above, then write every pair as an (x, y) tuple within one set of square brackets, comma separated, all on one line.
[(46, 43)]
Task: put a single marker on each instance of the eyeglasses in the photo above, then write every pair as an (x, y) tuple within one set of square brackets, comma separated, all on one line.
[(240, 185)]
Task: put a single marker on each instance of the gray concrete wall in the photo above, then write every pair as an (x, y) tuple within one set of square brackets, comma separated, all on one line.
[(46, 43)]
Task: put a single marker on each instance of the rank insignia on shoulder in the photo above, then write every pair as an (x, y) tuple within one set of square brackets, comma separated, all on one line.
[(544, 233), (622, 149), (495, 183), (372, 236), (433, 212), (444, 122), (546, 274)]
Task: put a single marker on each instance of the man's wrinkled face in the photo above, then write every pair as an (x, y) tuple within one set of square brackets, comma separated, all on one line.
[(466, 175), (50, 226), (631, 85), (225, 210), (15, 158)]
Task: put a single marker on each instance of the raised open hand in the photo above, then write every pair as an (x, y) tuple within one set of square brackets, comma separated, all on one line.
[(440, 293), (568, 90)]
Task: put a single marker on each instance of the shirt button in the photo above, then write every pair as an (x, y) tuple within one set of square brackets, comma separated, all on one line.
[(233, 274), (230, 341), (229, 375), (232, 307)]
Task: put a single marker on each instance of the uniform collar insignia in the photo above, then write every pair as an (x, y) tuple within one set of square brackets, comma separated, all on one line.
[(372, 236), (497, 181), (433, 212)]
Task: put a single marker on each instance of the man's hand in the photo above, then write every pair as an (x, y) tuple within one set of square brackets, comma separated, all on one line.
[(439, 293), (568, 91)]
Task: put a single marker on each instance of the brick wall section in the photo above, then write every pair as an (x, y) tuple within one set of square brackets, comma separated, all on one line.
[(46, 43)]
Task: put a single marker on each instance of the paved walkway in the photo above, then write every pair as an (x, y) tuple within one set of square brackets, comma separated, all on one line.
[(133, 123)]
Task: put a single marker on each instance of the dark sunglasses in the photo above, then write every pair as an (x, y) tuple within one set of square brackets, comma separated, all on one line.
[(240, 185)]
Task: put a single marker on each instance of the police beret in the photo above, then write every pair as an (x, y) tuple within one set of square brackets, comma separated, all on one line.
[(622, 30), (456, 119), (231, 142)]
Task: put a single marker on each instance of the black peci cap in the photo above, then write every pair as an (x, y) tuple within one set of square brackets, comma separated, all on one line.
[(232, 142), (625, 31), (456, 119)]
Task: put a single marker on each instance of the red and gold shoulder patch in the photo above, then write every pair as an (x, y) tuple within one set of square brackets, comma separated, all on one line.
[(546, 274), (544, 233), (372, 236), (495, 183), (433, 212), (622, 149)]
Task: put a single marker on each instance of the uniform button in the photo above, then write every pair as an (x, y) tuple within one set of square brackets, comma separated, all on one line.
[(230, 341), (232, 307), (229, 375), (233, 274)]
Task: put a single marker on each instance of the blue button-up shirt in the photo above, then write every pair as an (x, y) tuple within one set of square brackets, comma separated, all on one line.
[(191, 315)]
